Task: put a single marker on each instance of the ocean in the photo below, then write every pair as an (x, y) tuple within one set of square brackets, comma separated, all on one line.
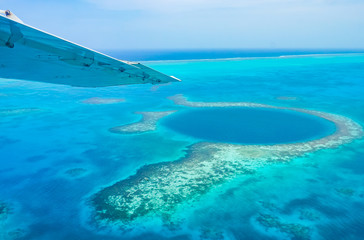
[(263, 144)]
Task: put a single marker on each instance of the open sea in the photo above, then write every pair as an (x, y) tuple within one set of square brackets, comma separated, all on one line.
[(65, 156)]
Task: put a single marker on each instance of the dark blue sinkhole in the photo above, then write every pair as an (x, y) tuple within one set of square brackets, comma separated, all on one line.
[(248, 125)]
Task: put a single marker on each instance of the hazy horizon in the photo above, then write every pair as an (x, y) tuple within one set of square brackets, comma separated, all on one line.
[(216, 24)]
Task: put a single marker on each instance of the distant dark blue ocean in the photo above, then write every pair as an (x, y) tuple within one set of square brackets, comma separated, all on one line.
[(57, 150), (190, 54)]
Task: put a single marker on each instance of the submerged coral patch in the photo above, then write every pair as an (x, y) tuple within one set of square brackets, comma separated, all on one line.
[(156, 87), (6, 232), (7, 141), (76, 172), (159, 189), (287, 98), (146, 124), (18, 111), (98, 100), (293, 230), (4, 210)]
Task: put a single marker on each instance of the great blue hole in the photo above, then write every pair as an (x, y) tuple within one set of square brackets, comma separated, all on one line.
[(249, 125)]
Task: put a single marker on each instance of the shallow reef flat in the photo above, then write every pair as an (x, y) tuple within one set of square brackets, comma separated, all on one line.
[(156, 87), (98, 100), (146, 124), (159, 189), (18, 111), (287, 98), (179, 99)]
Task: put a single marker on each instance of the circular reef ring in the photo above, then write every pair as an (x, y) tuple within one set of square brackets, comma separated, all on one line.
[(160, 189)]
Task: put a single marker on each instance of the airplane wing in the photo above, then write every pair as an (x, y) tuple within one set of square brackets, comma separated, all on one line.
[(30, 54)]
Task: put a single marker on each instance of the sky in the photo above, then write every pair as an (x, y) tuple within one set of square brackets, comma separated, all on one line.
[(198, 24)]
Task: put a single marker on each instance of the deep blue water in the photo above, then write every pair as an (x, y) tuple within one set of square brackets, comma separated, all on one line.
[(322, 190), (249, 125)]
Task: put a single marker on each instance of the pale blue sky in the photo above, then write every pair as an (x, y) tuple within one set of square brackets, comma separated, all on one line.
[(166, 24)]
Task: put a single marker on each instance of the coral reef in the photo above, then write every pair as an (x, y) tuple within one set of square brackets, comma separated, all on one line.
[(287, 98), (158, 189), (309, 214), (295, 231), (18, 111), (268, 205), (211, 234), (5, 231), (75, 172), (98, 100), (346, 129), (146, 124), (17, 233), (347, 192), (4, 210), (156, 87), (179, 99)]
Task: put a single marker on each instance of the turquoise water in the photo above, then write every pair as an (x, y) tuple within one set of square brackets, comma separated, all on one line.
[(56, 151), (249, 125)]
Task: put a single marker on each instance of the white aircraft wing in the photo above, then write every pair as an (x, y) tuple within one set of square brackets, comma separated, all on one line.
[(31, 54)]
